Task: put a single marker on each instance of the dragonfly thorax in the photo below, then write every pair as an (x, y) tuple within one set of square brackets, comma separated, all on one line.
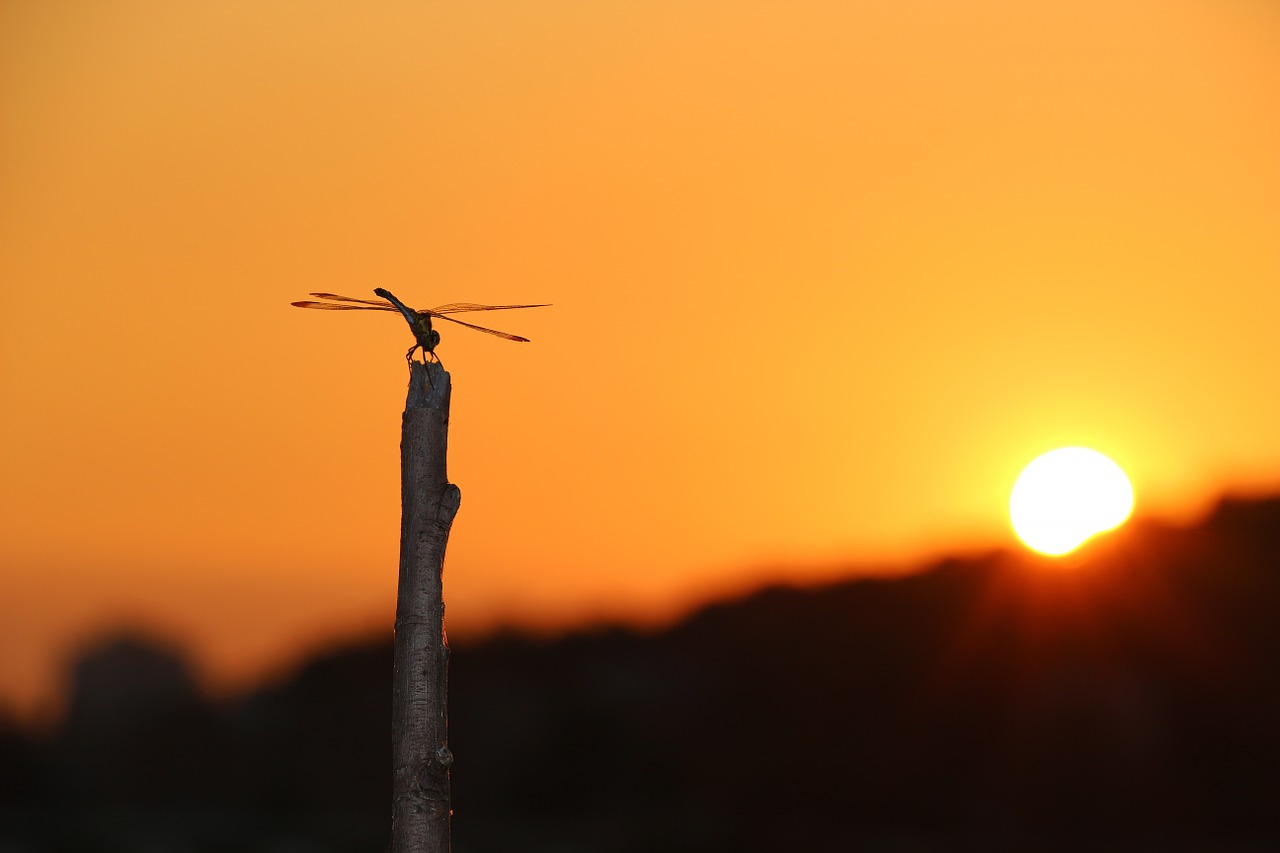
[(426, 336)]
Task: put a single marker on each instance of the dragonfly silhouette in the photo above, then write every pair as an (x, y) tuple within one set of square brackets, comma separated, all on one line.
[(419, 321)]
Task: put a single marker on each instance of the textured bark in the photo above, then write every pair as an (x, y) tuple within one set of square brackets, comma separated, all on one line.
[(421, 808)]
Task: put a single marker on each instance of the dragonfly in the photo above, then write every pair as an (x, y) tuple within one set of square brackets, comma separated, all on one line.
[(425, 337)]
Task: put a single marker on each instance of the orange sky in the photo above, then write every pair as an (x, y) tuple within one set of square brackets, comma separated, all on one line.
[(826, 275)]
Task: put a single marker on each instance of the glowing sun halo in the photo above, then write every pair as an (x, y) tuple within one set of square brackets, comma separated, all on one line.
[(1066, 496)]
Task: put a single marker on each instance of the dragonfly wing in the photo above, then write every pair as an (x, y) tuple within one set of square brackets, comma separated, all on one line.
[(337, 306), (494, 332), (460, 307), (375, 303)]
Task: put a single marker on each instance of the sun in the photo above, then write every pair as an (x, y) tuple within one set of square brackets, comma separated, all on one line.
[(1066, 496)]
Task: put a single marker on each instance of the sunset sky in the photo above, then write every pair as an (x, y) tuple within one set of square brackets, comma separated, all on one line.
[(826, 275)]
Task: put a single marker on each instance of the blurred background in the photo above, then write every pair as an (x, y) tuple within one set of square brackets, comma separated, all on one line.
[(825, 277)]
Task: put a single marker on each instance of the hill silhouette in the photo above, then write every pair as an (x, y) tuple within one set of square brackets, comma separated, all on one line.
[(1127, 698)]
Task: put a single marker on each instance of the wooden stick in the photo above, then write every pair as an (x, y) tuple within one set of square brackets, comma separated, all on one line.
[(421, 807)]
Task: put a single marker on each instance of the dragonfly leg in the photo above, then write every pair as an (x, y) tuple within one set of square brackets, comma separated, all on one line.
[(409, 358)]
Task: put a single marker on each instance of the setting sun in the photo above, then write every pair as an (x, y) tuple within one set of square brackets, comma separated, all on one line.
[(1066, 496)]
